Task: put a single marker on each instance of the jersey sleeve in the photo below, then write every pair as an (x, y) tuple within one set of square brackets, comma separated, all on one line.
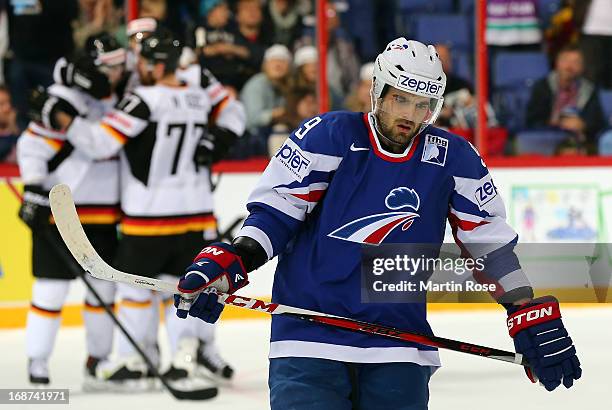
[(292, 185), (36, 148), (477, 216), (105, 138), (227, 112), (214, 89)]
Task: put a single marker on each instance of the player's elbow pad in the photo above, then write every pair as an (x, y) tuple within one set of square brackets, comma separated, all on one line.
[(251, 252)]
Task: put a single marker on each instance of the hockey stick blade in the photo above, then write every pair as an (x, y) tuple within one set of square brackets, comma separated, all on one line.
[(76, 240), (71, 230)]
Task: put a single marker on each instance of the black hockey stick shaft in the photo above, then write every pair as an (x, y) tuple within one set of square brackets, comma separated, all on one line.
[(200, 394)]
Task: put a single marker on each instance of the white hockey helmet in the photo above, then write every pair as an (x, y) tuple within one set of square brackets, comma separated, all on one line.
[(412, 67)]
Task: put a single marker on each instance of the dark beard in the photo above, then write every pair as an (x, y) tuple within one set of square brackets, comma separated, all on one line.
[(388, 143)]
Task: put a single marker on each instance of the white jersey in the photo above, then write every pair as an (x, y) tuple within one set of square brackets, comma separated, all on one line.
[(157, 129), (45, 158), (226, 111)]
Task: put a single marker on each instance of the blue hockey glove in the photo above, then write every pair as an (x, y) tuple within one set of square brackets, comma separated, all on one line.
[(539, 334), (217, 267)]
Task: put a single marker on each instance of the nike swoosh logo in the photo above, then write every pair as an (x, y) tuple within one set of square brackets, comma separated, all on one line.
[(355, 149)]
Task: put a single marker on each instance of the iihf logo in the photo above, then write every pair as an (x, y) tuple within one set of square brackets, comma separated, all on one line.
[(373, 229), (435, 149)]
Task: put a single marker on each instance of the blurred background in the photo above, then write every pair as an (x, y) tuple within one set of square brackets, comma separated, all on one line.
[(525, 77)]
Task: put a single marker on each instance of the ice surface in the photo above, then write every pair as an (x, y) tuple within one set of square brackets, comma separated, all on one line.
[(464, 382)]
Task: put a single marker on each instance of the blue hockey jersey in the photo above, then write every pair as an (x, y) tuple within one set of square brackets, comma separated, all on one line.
[(332, 188)]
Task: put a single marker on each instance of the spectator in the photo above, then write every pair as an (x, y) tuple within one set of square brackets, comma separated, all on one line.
[(40, 32), (283, 19), (95, 17), (502, 27), (157, 9), (562, 30), (8, 127), (264, 94), (249, 18), (359, 99), (301, 105), (222, 49), (565, 99), (459, 110), (305, 67), (596, 39), (342, 62)]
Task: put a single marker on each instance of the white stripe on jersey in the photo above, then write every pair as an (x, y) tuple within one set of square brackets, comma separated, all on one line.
[(297, 348)]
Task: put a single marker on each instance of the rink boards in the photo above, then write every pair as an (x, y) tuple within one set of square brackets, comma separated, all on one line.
[(540, 194)]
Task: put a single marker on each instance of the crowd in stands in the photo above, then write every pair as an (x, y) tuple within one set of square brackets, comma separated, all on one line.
[(550, 61)]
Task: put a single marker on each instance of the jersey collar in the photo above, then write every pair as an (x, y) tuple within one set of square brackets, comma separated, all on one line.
[(380, 151)]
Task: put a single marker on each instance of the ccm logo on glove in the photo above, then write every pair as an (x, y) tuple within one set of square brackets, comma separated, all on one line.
[(532, 316)]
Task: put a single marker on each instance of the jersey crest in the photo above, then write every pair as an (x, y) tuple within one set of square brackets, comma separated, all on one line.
[(373, 229)]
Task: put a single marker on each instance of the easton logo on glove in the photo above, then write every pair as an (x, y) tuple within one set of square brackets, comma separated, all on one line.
[(216, 266), (528, 316)]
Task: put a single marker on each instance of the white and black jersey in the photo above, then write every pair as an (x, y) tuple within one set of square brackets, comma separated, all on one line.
[(225, 112), (157, 129), (46, 158)]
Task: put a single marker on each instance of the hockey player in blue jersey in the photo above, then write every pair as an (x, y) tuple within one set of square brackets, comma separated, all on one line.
[(344, 180)]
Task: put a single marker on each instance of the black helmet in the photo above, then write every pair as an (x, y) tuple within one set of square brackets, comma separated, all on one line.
[(162, 47), (104, 50), (91, 64)]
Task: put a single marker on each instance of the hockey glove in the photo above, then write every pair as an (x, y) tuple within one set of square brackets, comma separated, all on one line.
[(34, 210), (84, 75), (217, 267), (36, 102), (214, 145), (539, 334)]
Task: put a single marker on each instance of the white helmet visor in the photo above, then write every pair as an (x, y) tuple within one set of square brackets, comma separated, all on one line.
[(406, 111)]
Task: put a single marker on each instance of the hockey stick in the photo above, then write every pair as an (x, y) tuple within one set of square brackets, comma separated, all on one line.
[(72, 232), (198, 394)]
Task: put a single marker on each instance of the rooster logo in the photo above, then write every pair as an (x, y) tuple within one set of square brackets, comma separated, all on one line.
[(373, 229)]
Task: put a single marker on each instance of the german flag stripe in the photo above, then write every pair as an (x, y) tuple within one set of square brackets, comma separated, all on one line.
[(96, 309), (97, 215), (134, 304), (167, 226), (54, 143), (218, 108), (116, 134), (52, 314)]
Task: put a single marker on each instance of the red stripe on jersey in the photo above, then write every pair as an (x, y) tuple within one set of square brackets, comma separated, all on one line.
[(465, 226), (378, 235), (312, 196)]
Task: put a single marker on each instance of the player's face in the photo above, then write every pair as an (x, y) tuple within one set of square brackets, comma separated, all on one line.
[(145, 72), (114, 74), (400, 114)]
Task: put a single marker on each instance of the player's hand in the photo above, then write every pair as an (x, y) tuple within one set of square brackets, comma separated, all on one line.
[(205, 150), (539, 334), (214, 145), (36, 102), (34, 210), (217, 267), (82, 74)]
